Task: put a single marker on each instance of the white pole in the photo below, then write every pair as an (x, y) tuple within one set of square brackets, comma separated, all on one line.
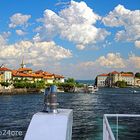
[(117, 128)]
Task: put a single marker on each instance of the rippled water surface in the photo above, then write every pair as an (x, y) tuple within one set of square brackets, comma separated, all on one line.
[(16, 112)]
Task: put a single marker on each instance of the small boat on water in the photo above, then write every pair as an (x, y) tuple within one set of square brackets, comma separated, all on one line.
[(136, 91), (96, 88), (92, 89)]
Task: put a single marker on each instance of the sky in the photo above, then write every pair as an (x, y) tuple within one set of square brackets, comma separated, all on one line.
[(78, 39)]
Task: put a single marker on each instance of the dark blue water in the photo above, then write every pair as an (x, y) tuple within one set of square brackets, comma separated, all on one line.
[(16, 112), (89, 82)]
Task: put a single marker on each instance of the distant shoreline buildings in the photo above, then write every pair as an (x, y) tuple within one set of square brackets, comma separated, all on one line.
[(24, 73), (110, 79)]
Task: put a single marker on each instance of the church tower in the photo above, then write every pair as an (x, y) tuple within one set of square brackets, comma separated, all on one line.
[(22, 63)]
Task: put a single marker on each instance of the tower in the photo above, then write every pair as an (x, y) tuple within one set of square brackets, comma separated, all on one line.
[(22, 63)]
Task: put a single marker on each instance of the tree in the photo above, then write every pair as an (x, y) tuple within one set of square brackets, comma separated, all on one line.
[(71, 80), (68, 87), (5, 84), (40, 84), (19, 85), (137, 75), (121, 84), (95, 81)]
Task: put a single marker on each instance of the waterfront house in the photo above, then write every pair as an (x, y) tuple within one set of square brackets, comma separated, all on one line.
[(47, 76), (50, 78), (59, 78), (5, 74), (110, 79), (26, 74), (102, 80), (137, 81), (129, 78)]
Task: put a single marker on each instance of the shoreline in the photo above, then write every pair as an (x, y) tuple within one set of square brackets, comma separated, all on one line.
[(19, 91), (24, 91)]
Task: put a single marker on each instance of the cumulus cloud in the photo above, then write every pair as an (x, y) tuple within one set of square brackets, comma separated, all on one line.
[(122, 17), (36, 53), (4, 37), (137, 43), (115, 60), (134, 61), (112, 60), (19, 19), (90, 69), (2, 40), (76, 23), (103, 64), (20, 32)]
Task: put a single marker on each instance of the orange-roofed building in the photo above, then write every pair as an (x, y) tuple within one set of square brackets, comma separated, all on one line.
[(32, 77), (129, 78), (6, 74), (101, 80), (111, 78), (25, 73), (25, 70), (104, 74), (114, 72), (50, 78), (47, 76), (59, 78)]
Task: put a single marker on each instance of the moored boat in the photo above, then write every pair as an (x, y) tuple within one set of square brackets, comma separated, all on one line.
[(92, 89)]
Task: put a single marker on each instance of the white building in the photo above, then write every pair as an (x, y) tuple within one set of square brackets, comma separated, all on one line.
[(137, 81), (6, 74), (110, 79), (102, 80), (59, 78), (129, 78)]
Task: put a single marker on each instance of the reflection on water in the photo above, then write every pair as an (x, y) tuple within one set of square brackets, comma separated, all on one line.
[(17, 110)]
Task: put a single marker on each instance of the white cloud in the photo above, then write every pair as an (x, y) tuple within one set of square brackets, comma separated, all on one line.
[(20, 32), (112, 60), (122, 17), (80, 47), (103, 64), (36, 53), (134, 61), (19, 19), (2, 40), (75, 24), (137, 43), (4, 37)]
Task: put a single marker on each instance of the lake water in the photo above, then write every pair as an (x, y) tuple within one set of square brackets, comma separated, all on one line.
[(16, 112)]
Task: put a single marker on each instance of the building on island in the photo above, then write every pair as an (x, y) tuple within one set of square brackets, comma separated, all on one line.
[(137, 81), (31, 76), (110, 79), (59, 78), (47, 76), (24, 73), (102, 80), (51, 77), (5, 74)]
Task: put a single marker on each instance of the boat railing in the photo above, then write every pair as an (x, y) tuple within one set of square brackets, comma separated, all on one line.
[(107, 131)]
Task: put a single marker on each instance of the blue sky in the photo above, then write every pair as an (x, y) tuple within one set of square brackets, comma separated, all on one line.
[(78, 39)]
